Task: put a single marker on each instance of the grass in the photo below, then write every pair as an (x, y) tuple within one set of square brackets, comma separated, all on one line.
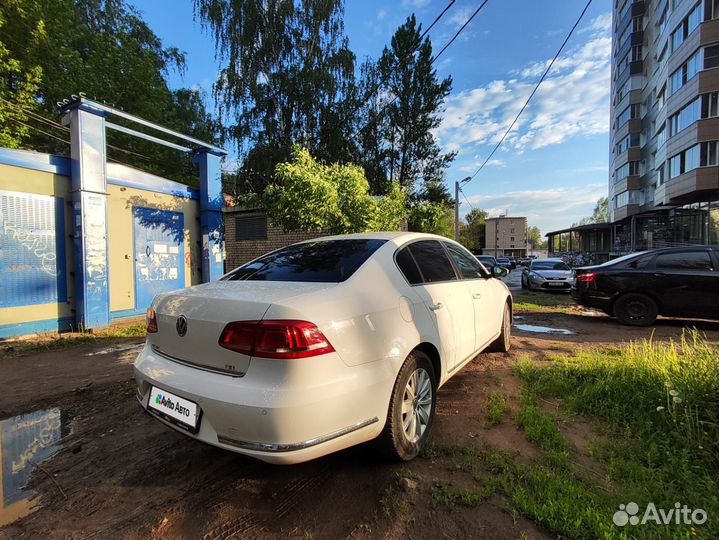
[(445, 494), (539, 301), (497, 406), (660, 403), (656, 411), (47, 342)]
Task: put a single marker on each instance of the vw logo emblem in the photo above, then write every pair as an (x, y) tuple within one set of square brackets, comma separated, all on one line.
[(181, 325)]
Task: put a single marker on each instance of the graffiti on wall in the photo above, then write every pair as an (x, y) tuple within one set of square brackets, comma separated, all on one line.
[(32, 261)]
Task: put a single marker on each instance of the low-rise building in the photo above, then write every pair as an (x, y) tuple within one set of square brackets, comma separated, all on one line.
[(506, 236)]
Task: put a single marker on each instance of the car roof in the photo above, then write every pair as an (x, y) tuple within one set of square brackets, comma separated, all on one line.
[(548, 259), (398, 237)]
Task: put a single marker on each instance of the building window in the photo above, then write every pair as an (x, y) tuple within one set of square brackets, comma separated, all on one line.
[(630, 141), (661, 97), (511, 239), (686, 71), (661, 135), (700, 155), (627, 114), (686, 116), (628, 197), (687, 26), (662, 22), (628, 169), (708, 153), (711, 57), (661, 178), (251, 227), (709, 104), (711, 9)]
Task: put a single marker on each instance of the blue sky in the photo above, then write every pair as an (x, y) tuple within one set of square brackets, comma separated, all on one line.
[(553, 166)]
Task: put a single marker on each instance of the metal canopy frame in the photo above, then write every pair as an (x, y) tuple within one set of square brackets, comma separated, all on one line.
[(88, 121)]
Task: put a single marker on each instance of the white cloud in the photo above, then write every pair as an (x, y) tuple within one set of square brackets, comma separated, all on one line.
[(381, 14), (415, 3), (573, 100), (576, 203), (461, 16), (472, 167)]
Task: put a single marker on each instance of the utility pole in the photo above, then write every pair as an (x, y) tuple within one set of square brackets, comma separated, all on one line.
[(456, 205), (456, 211)]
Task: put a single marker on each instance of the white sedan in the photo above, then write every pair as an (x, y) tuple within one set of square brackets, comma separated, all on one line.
[(322, 345)]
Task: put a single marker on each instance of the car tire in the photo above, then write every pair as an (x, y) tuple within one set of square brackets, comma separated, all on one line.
[(503, 342), (636, 309), (404, 436)]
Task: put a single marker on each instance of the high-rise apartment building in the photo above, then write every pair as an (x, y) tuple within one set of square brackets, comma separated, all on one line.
[(664, 134)]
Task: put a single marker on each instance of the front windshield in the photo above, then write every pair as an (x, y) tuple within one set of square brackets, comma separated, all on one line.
[(550, 265)]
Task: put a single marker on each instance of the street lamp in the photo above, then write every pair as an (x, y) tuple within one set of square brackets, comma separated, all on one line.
[(456, 206)]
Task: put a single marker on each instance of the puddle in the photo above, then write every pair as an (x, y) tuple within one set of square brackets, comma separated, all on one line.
[(542, 329), (122, 347), (25, 442)]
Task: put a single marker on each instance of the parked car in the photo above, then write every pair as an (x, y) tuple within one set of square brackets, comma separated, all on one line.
[(504, 263), (322, 345), (524, 262), (513, 262), (547, 274), (636, 288), (488, 261)]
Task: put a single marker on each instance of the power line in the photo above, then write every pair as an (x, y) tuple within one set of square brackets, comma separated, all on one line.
[(456, 35), (403, 59), (29, 126), (544, 75), (466, 199)]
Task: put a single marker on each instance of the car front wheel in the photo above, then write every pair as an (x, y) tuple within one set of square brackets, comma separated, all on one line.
[(636, 309), (411, 409)]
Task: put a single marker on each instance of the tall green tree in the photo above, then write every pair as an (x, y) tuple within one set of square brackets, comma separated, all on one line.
[(534, 238), (287, 76), (18, 93), (416, 96), (600, 214), (105, 49)]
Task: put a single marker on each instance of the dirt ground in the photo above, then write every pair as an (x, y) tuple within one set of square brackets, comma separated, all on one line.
[(121, 474)]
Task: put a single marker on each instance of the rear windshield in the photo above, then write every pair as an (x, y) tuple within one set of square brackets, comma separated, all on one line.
[(327, 261), (550, 265)]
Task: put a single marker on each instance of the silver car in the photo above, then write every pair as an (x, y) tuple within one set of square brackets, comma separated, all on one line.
[(547, 275)]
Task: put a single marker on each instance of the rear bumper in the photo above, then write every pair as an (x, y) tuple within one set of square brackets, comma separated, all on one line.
[(280, 412), (591, 299)]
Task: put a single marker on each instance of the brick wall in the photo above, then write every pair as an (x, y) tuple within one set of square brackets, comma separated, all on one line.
[(242, 251)]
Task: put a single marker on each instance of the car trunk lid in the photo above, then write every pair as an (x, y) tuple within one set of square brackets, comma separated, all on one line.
[(206, 310)]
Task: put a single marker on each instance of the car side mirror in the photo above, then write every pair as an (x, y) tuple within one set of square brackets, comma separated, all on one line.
[(499, 272)]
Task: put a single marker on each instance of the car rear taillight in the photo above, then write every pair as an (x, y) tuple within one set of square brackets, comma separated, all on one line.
[(151, 320), (288, 339), (589, 277)]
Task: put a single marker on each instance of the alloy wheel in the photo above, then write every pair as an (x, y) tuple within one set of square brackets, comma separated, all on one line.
[(416, 405)]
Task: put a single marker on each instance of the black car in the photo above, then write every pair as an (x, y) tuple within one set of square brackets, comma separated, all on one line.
[(636, 288), (488, 261)]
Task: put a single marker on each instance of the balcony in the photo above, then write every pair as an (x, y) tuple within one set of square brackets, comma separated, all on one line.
[(632, 183), (624, 211), (706, 129), (703, 82), (697, 185)]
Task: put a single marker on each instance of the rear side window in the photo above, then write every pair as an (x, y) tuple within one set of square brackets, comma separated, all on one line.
[(466, 264), (686, 260), (639, 263), (328, 261), (432, 261), (408, 267)]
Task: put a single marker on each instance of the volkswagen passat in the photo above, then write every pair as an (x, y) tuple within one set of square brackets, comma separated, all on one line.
[(322, 345)]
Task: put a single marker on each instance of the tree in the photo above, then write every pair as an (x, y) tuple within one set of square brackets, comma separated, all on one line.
[(287, 73), (310, 196), (18, 90), (472, 230), (534, 238), (600, 214), (104, 49), (415, 95)]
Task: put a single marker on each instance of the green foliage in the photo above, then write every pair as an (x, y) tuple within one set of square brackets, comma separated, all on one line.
[(429, 217), (497, 406), (310, 196), (535, 239), (600, 214), (104, 49), (472, 230), (288, 76), (18, 91)]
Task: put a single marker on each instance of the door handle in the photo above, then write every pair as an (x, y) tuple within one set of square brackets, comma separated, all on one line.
[(435, 307), (477, 295)]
